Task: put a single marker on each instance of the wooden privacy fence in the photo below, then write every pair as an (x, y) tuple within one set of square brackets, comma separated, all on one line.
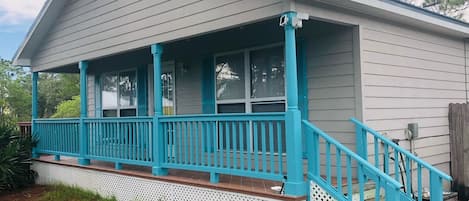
[(24, 128), (459, 139)]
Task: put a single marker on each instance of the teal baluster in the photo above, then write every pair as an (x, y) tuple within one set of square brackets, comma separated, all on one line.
[(241, 145), (328, 162), (419, 182), (280, 132), (234, 144), (227, 145), (264, 148), (271, 147), (376, 150), (339, 170), (256, 146)]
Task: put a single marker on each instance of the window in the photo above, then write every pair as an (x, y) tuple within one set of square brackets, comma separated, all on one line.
[(167, 82), (251, 81), (119, 94)]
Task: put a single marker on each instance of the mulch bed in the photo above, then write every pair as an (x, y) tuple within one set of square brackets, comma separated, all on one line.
[(32, 193)]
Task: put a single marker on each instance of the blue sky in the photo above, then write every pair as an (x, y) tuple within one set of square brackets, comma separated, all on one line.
[(16, 16)]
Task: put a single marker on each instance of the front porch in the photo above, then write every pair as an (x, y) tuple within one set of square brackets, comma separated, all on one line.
[(225, 106)]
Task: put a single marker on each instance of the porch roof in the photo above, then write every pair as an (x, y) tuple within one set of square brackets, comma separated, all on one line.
[(392, 9)]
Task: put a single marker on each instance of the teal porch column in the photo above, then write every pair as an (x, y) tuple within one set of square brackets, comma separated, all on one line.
[(34, 113), (158, 142), (83, 142), (295, 184)]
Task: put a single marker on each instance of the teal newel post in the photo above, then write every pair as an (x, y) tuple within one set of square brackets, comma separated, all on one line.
[(158, 142), (35, 76), (83, 65), (295, 184)]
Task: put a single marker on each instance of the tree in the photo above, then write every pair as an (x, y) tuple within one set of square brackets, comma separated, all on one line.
[(15, 91), (68, 108), (450, 8)]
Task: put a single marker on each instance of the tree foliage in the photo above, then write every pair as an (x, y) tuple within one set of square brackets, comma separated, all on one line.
[(68, 108), (15, 157), (15, 91), (450, 8)]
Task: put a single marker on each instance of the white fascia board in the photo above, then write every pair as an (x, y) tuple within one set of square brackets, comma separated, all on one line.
[(434, 19)]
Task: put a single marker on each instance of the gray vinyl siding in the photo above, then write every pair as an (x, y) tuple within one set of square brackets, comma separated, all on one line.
[(331, 84), (90, 90), (93, 29), (410, 77)]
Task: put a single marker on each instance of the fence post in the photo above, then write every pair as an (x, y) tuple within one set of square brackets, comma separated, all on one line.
[(83, 141), (158, 142)]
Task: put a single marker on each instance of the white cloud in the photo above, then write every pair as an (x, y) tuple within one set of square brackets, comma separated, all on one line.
[(17, 11)]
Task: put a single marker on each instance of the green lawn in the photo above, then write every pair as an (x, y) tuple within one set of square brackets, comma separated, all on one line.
[(68, 193)]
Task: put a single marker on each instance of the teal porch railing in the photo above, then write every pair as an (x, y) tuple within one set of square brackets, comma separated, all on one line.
[(251, 145), (346, 161), (57, 136), (121, 140), (399, 163)]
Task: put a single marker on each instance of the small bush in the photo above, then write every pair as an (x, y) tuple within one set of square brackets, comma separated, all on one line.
[(62, 192), (15, 157)]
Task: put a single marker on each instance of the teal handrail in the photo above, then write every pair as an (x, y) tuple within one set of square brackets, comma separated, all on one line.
[(364, 169), (436, 176)]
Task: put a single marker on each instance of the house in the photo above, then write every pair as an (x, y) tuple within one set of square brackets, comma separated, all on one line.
[(260, 89)]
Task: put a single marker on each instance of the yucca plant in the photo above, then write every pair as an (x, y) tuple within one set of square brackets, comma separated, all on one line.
[(15, 157)]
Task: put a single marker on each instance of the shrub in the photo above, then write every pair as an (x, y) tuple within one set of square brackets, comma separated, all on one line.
[(15, 157), (68, 108), (62, 192)]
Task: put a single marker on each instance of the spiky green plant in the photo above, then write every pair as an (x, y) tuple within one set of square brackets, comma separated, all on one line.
[(15, 157)]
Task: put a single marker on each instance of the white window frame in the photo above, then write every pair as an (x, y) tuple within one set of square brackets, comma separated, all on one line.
[(118, 108), (247, 100)]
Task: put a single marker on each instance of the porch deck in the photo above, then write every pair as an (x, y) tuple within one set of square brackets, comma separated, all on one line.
[(245, 185)]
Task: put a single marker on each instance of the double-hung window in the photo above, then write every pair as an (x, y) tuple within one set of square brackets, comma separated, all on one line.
[(251, 81), (119, 94)]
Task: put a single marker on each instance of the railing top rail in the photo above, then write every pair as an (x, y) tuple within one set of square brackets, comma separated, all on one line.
[(234, 116), (352, 154), (400, 149), (56, 119)]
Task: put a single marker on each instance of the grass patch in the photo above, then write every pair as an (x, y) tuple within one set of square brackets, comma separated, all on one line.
[(62, 192)]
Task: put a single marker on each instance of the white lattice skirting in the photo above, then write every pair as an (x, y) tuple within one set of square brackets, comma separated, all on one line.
[(127, 188), (318, 194)]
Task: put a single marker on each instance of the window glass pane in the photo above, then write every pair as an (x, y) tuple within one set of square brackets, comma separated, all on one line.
[(268, 107), (231, 108), (267, 73), (128, 89), (109, 113), (167, 81), (109, 91), (128, 112), (230, 76)]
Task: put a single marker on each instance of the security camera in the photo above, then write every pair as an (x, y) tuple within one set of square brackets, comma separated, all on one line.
[(283, 20)]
